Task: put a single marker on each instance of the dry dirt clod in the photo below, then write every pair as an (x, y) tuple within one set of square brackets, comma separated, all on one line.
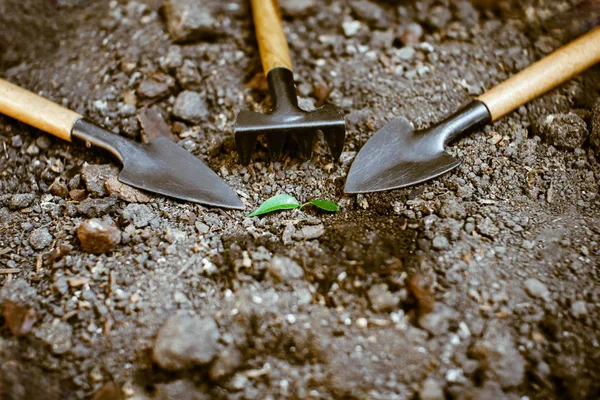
[(190, 20), (59, 188), (126, 192), (94, 177), (97, 237), (154, 125), (568, 131), (110, 391), (420, 287)]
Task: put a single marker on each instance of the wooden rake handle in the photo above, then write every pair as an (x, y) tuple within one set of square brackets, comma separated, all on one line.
[(546, 74), (36, 111), (272, 44)]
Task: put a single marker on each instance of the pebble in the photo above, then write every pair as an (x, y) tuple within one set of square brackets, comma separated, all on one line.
[(382, 299), (297, 8), (57, 334), (93, 208), (351, 28), (184, 341), (125, 192), (59, 188), (94, 177), (285, 269), (411, 34), (440, 242), (452, 208), (568, 131), (406, 53), (190, 20), (40, 238), (438, 17), (310, 232), (438, 321), (139, 215), (372, 13), (155, 88), (172, 60), (20, 201), (579, 309), (97, 237), (16, 141), (486, 227), (431, 389), (191, 107), (188, 76), (178, 390), (537, 289)]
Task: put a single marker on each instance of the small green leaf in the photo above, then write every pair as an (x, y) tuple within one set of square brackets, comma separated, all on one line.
[(324, 205), (275, 203)]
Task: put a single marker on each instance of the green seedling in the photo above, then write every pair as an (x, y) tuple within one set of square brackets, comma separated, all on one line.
[(287, 202)]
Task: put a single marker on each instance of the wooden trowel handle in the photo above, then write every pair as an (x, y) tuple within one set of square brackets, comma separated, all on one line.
[(272, 44), (36, 111), (546, 74)]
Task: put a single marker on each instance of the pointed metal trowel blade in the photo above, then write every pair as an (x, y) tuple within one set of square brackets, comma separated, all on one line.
[(166, 168), (396, 156)]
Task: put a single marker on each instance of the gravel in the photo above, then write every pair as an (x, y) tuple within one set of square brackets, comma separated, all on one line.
[(40, 238)]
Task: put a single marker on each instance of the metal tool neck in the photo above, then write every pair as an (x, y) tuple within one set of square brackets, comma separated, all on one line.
[(93, 135), (473, 115), (282, 89)]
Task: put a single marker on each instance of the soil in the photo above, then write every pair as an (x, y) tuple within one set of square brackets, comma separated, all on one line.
[(480, 284)]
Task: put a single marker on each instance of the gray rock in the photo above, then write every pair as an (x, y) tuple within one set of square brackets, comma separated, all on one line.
[(382, 299), (172, 60), (298, 8), (440, 242), (156, 87), (179, 390), (310, 232), (94, 177), (537, 289), (19, 201), (16, 141), (438, 17), (406, 53), (372, 13), (431, 389), (486, 227), (285, 269), (188, 76), (452, 208), (191, 106), (568, 131), (139, 215), (499, 357), (57, 334), (579, 309), (185, 341), (40, 238), (190, 20), (438, 321), (18, 291), (43, 142), (93, 208)]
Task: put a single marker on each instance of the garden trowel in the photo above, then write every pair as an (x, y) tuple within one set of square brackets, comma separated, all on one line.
[(160, 166), (397, 156)]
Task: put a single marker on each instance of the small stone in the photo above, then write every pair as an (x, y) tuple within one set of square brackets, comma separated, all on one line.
[(185, 341), (138, 214), (486, 227), (297, 8), (536, 289), (372, 13), (202, 227), (156, 87), (579, 309), (411, 34), (188, 76), (16, 141), (568, 131), (43, 142), (57, 334), (172, 60), (191, 106), (59, 188), (190, 20), (20, 201), (406, 53), (285, 269), (40, 238), (439, 320), (382, 299), (431, 389), (351, 28), (438, 17), (452, 208), (310, 232), (178, 390), (125, 192), (93, 208), (97, 237), (32, 150), (440, 242), (94, 177)]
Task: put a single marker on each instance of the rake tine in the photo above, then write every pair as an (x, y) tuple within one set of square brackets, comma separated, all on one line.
[(275, 142), (305, 141), (245, 142), (335, 136)]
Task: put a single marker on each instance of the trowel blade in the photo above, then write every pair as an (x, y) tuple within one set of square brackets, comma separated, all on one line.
[(166, 168), (395, 157)]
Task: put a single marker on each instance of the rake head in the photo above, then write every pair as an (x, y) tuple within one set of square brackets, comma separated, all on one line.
[(287, 119)]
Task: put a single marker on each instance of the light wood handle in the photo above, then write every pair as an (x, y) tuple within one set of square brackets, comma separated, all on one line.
[(36, 111), (546, 74), (272, 44)]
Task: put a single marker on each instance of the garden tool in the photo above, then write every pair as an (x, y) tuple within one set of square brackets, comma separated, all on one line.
[(160, 166), (397, 156), (286, 118)]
